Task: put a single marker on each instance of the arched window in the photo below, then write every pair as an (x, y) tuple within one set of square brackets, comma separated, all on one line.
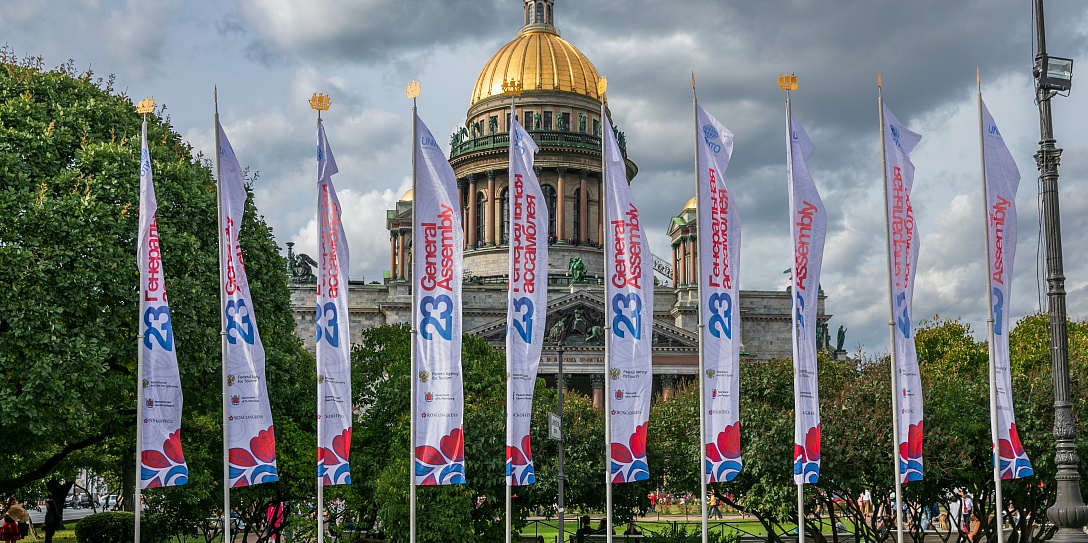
[(577, 232), (549, 198), (527, 10), (504, 214), (549, 11), (540, 13), (481, 218)]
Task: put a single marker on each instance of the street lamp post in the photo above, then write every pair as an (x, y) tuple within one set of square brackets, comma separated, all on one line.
[(559, 476), (1053, 75)]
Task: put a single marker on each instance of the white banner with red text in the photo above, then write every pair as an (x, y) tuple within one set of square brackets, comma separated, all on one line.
[(903, 248), (437, 248), (1002, 182), (251, 437), (719, 301), (629, 310), (331, 324), (808, 227), (527, 302), (161, 460)]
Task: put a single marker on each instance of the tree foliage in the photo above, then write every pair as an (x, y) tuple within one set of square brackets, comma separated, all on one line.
[(69, 183)]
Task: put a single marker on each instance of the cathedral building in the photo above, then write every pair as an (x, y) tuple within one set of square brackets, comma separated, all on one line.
[(559, 106)]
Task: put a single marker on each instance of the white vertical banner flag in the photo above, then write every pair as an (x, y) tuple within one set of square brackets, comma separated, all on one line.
[(251, 435), (629, 307), (808, 227), (437, 248), (719, 302), (527, 302), (161, 460), (903, 248), (331, 323), (1002, 181)]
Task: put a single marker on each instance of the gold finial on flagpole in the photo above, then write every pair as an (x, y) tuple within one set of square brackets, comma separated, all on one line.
[(145, 106), (693, 80), (787, 82), (511, 87), (879, 83), (320, 102), (978, 77), (413, 89)]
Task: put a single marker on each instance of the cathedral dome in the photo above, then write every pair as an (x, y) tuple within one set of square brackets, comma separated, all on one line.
[(541, 61)]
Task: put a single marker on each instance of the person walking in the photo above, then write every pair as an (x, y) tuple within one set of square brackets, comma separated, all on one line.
[(713, 502), (52, 520)]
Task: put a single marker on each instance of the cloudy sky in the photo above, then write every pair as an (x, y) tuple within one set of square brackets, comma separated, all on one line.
[(268, 56)]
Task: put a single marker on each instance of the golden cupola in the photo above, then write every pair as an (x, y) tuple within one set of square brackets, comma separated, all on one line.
[(539, 59)]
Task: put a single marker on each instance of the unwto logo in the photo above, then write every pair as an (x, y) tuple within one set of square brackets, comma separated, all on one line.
[(710, 136)]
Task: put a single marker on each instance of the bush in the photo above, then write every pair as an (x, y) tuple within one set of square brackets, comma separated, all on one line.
[(120, 527)]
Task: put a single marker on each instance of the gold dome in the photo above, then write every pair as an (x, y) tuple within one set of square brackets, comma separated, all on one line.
[(540, 60), (690, 204), (407, 196)]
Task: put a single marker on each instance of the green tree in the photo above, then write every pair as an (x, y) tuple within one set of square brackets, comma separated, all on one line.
[(68, 313)]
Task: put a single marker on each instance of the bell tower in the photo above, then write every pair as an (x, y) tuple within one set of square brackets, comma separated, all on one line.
[(539, 16)]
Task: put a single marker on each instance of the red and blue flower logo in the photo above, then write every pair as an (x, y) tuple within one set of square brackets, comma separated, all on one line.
[(332, 464), (1014, 460), (519, 464), (445, 466), (629, 461), (806, 458), (257, 464), (166, 467), (910, 454), (723, 456)]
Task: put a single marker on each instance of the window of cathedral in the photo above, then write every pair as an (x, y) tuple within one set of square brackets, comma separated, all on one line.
[(547, 120), (481, 214), (549, 198), (504, 219), (565, 121), (577, 231), (540, 13)]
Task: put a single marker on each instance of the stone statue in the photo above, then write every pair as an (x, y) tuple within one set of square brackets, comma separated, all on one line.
[(595, 335), (841, 338), (820, 335), (581, 123), (580, 323), (577, 269), (492, 124), (536, 121), (302, 269), (556, 332), (559, 122)]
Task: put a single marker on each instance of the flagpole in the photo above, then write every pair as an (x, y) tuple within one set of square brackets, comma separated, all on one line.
[(318, 104), (413, 91), (995, 446), (788, 83), (602, 86), (144, 107), (700, 457), (891, 325), (222, 323), (512, 89)]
